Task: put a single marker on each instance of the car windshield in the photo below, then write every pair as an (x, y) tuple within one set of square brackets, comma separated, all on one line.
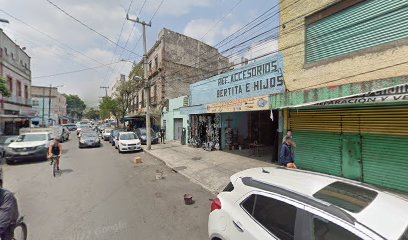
[(89, 135), (31, 137), (127, 136), (6, 140), (350, 197), (143, 131)]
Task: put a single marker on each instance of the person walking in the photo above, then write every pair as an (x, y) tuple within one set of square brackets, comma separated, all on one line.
[(286, 157), (162, 132), (8, 211)]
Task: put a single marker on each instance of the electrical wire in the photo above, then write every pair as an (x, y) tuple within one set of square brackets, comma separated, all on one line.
[(90, 28), (74, 71)]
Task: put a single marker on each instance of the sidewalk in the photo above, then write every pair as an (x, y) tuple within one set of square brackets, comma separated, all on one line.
[(209, 169)]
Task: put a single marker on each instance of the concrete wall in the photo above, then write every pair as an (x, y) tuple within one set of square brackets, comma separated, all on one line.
[(172, 113), (58, 103), (299, 77)]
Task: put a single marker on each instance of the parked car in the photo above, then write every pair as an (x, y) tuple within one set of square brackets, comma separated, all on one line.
[(4, 142), (278, 203), (114, 136), (83, 126), (29, 146), (106, 134), (89, 139), (127, 142), (141, 133), (71, 126)]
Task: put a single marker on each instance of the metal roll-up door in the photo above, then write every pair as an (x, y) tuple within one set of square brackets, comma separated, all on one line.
[(385, 161), (367, 24), (318, 151), (381, 132)]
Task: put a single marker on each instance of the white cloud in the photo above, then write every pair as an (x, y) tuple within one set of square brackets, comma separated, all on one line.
[(259, 49), (175, 7)]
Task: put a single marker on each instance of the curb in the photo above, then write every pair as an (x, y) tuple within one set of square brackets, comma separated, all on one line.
[(212, 191)]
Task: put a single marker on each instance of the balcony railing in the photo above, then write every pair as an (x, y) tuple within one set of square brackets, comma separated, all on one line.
[(18, 100)]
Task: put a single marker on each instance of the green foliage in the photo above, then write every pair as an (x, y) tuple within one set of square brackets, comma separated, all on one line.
[(75, 106), (3, 88), (137, 71), (92, 113), (107, 107), (125, 93)]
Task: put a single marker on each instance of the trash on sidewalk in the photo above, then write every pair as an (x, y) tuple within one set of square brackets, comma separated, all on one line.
[(137, 160), (188, 199), (159, 174)]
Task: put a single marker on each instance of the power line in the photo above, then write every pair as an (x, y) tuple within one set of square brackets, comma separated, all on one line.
[(90, 28), (75, 71), (49, 36)]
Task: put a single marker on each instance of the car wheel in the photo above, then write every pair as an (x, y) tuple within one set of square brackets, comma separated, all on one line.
[(9, 162)]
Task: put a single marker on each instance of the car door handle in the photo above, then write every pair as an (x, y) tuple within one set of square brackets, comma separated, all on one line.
[(238, 226)]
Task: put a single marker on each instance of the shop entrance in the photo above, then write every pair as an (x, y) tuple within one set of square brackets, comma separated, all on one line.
[(254, 133)]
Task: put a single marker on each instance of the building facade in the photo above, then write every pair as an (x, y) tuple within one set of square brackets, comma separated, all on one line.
[(174, 62), (15, 110), (173, 121), (347, 94), (49, 106)]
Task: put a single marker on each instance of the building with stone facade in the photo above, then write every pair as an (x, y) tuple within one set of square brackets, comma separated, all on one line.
[(346, 78), (15, 110), (174, 62), (49, 106)]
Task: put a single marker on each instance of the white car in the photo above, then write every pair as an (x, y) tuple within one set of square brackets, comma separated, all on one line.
[(278, 203), (106, 134), (127, 142), (29, 146)]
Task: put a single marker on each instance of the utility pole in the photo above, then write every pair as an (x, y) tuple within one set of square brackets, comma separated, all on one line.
[(106, 90), (147, 84), (49, 104), (43, 107)]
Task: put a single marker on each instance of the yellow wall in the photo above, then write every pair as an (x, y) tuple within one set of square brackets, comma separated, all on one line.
[(297, 77)]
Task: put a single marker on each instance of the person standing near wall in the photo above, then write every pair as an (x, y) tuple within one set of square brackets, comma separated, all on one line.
[(162, 135)]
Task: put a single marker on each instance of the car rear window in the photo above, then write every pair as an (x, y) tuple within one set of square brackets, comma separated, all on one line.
[(347, 196)]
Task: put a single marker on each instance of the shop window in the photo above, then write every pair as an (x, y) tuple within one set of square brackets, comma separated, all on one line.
[(36, 103)]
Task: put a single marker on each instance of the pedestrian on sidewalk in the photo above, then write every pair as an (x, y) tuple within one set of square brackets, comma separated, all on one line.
[(162, 133), (289, 134), (286, 157)]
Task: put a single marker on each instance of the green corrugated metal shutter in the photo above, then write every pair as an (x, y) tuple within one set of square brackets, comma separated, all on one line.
[(318, 151), (368, 24), (385, 161)]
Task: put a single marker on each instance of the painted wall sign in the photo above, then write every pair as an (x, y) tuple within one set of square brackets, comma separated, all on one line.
[(198, 109), (255, 79), (241, 105), (393, 94)]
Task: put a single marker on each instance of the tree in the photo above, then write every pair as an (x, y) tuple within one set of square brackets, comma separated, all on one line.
[(75, 106), (92, 113), (137, 71), (3, 88), (125, 93), (107, 107)]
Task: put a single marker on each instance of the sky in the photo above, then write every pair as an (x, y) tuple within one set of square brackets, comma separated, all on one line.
[(58, 44)]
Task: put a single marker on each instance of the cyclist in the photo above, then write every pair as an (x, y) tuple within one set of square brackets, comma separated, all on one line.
[(8, 211), (55, 149)]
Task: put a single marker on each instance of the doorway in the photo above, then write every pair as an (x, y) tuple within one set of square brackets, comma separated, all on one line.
[(351, 156), (178, 128)]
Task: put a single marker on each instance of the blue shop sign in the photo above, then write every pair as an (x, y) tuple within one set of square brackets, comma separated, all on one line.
[(256, 79)]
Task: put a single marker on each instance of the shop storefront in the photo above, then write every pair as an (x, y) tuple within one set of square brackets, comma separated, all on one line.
[(362, 137), (235, 108)]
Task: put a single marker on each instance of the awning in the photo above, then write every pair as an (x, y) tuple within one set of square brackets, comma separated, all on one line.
[(394, 94), (197, 109)]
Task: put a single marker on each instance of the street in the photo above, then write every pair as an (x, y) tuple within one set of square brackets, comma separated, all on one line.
[(102, 194)]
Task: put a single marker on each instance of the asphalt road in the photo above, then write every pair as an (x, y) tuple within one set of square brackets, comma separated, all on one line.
[(101, 194)]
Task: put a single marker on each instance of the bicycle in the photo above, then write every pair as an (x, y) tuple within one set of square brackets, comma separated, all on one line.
[(19, 230), (54, 165)]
